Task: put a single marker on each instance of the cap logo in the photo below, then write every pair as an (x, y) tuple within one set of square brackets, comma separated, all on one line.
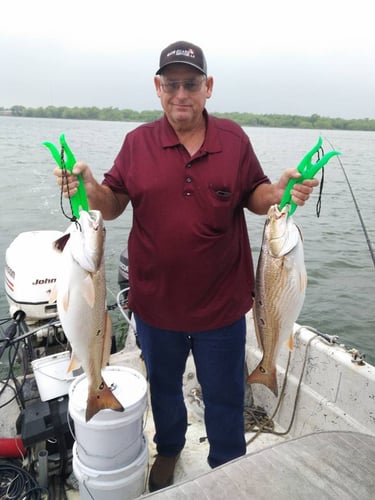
[(182, 52)]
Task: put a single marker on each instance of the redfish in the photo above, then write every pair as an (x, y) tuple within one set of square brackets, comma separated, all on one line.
[(280, 287), (81, 304)]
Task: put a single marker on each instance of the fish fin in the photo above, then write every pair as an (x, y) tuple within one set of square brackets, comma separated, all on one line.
[(261, 376), (65, 300), (74, 363), (53, 295), (256, 321), (300, 232), (303, 281), (88, 290), (59, 244), (100, 399), (107, 340), (291, 342)]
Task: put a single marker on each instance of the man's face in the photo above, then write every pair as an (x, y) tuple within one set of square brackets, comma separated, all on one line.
[(183, 91)]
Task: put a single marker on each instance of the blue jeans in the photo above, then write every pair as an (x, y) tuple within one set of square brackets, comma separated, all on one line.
[(219, 357)]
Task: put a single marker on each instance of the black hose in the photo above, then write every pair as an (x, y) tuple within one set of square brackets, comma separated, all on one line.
[(17, 483)]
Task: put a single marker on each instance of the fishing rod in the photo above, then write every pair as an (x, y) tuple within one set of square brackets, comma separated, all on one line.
[(368, 241)]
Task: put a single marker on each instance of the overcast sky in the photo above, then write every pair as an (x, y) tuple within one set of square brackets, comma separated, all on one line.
[(267, 56)]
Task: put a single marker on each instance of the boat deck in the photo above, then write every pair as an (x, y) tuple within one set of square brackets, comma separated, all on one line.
[(326, 465), (193, 461), (335, 464)]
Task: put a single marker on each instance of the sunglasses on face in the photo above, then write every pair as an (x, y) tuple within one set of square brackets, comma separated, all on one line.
[(173, 86)]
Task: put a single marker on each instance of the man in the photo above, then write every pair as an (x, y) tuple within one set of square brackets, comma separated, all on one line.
[(189, 177)]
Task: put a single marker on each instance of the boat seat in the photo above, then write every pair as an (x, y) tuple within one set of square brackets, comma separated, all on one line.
[(326, 465)]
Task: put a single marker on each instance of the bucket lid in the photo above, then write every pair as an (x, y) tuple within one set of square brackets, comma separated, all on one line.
[(128, 385)]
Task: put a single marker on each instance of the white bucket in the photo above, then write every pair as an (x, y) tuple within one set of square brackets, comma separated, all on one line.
[(110, 439), (51, 375), (126, 483)]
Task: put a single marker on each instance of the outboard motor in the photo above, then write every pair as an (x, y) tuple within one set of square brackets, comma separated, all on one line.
[(30, 274)]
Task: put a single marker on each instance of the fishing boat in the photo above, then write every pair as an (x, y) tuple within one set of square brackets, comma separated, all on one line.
[(316, 439)]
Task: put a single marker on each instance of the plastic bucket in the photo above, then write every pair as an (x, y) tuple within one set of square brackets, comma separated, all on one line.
[(125, 483), (110, 439), (51, 375)]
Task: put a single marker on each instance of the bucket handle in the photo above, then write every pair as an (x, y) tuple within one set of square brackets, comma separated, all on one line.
[(66, 379), (118, 453)]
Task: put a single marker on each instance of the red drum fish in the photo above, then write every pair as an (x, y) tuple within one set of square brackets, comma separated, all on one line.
[(81, 304), (280, 287)]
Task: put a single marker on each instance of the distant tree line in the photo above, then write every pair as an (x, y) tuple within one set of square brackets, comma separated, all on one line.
[(86, 113), (314, 121)]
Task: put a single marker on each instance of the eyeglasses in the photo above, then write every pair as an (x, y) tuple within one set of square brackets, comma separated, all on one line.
[(172, 87)]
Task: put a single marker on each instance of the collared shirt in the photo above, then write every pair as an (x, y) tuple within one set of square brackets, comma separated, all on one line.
[(190, 263)]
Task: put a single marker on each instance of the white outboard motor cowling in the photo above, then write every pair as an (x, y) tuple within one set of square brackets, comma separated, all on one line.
[(30, 274)]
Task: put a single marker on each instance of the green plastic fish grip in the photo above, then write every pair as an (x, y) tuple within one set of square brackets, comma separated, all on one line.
[(79, 200), (307, 170)]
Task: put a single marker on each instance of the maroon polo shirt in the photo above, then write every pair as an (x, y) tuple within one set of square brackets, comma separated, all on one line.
[(190, 261)]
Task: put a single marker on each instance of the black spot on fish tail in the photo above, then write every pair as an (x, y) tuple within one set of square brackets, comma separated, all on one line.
[(101, 399), (262, 376)]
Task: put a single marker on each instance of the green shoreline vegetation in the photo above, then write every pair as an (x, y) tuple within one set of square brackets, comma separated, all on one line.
[(314, 121)]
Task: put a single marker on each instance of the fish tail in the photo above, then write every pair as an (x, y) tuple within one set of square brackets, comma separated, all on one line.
[(266, 377), (100, 399)]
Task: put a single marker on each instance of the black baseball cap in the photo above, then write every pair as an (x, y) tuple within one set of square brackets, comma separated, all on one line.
[(183, 53)]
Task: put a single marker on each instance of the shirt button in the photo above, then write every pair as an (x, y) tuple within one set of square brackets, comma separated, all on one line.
[(188, 193), (188, 165), (188, 179)]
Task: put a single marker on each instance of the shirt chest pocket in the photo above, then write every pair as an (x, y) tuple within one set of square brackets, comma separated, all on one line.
[(218, 209)]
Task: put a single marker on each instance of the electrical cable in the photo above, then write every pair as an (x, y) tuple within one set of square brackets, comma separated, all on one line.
[(16, 483)]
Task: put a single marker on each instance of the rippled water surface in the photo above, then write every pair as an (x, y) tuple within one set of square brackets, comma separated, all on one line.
[(341, 288)]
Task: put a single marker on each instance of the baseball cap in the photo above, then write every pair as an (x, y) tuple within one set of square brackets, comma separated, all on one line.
[(183, 53)]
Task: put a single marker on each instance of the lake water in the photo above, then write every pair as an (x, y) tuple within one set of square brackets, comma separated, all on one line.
[(341, 274)]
